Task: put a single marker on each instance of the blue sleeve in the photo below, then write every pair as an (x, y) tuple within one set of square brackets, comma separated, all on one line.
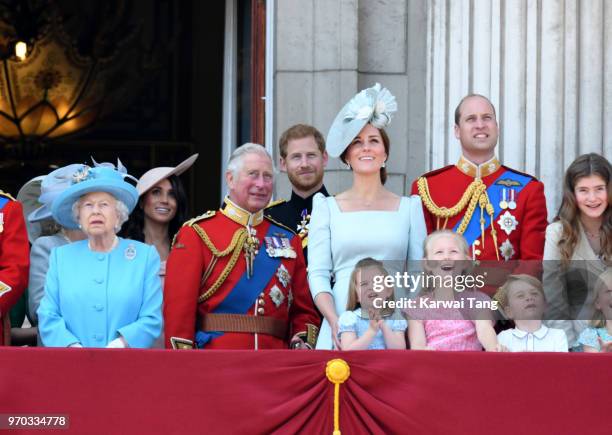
[(347, 322), (588, 337), (51, 323), (398, 325), (147, 327), (320, 263)]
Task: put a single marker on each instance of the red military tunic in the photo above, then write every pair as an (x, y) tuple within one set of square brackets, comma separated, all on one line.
[(14, 260), (525, 240), (194, 272)]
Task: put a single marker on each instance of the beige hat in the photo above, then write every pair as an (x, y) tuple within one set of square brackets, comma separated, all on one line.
[(155, 175)]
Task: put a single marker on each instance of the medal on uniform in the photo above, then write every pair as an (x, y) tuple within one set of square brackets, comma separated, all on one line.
[(512, 203), (277, 296), (283, 275), (273, 246), (507, 250), (1, 222), (507, 222), (503, 204), (302, 228), (130, 252), (288, 251), (279, 247)]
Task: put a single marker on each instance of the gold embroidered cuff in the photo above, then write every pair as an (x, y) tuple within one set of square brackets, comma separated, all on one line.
[(181, 343)]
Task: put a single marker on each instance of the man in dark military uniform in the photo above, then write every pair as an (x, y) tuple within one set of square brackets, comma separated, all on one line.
[(303, 157), (236, 279), (500, 211), (14, 260)]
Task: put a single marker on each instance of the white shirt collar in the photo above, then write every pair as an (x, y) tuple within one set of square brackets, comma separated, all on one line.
[(539, 334)]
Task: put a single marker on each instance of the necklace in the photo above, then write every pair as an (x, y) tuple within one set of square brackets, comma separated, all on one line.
[(591, 235)]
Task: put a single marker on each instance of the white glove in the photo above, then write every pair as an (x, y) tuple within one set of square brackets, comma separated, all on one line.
[(117, 343)]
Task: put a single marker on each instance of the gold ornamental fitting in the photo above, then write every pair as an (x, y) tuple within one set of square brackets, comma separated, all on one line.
[(337, 371)]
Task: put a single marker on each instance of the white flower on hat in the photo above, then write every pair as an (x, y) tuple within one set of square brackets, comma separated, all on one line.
[(384, 108), (375, 104), (81, 175), (364, 113)]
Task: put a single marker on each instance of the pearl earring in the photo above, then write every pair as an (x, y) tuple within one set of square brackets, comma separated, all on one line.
[(348, 165), (384, 165)]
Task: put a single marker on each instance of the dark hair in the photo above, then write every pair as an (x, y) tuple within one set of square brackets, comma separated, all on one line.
[(300, 131), (134, 228), (584, 166), (458, 108), (387, 145)]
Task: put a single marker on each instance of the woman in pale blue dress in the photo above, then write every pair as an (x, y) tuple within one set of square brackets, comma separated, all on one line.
[(367, 220)]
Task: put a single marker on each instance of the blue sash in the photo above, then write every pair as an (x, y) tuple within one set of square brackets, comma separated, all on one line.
[(494, 191), (247, 290), (3, 201)]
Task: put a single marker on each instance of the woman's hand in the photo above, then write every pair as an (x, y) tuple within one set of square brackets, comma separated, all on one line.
[(333, 323)]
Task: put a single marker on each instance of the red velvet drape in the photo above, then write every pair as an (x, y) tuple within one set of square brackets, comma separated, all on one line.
[(182, 392)]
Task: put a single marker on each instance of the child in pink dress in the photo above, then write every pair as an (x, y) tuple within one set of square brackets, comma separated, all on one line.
[(443, 317)]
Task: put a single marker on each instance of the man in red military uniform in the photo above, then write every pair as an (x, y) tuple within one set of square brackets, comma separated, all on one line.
[(14, 260), (236, 279), (501, 212)]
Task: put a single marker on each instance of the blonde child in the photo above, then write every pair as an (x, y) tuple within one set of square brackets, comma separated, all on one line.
[(598, 337), (378, 330), (522, 299), (449, 328)]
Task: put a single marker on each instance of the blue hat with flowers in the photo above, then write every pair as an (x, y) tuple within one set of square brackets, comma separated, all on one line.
[(102, 178), (373, 105)]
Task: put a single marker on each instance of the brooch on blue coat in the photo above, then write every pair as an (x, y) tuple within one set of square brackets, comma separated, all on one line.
[(130, 252)]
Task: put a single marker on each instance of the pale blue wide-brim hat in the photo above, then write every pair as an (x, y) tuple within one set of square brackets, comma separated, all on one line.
[(49, 188), (374, 105), (87, 180)]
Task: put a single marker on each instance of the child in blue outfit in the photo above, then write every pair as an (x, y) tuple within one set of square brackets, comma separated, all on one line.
[(598, 337), (367, 322)]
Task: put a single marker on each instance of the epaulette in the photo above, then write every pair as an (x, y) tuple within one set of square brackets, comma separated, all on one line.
[(519, 172), (437, 171), (275, 203), (7, 195), (208, 214), (279, 224)]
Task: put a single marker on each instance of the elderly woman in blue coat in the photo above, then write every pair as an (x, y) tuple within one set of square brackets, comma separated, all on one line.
[(103, 291)]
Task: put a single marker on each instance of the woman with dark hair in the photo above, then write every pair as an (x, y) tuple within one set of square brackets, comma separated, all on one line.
[(161, 210), (367, 219), (578, 243)]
